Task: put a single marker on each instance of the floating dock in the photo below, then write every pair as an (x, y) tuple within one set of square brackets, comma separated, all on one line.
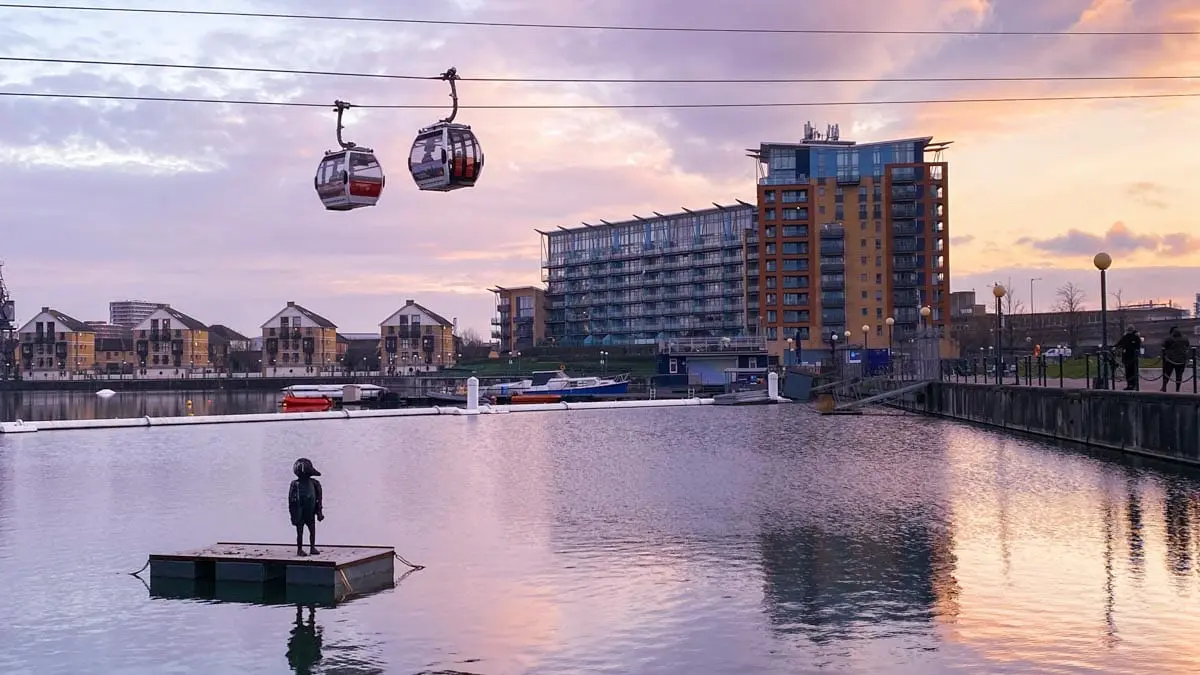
[(336, 573), (472, 408)]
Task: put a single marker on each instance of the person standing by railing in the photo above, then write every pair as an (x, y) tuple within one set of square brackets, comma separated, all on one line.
[(1175, 352), (1129, 347)]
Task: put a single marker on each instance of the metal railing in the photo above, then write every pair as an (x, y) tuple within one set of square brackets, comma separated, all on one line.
[(1098, 370)]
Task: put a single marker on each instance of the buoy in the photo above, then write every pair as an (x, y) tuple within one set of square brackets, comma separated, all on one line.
[(105, 393)]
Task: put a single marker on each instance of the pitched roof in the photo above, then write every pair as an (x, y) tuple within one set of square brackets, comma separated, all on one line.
[(226, 333), (313, 316), (317, 318), (441, 320), (68, 322), (187, 321)]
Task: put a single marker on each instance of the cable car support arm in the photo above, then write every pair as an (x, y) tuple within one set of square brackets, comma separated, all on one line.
[(450, 76), (340, 107)]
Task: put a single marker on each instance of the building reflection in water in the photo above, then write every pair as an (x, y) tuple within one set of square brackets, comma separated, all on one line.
[(72, 405), (832, 586)]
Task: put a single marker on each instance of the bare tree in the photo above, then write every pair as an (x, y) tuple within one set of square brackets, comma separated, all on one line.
[(1120, 309), (1070, 302), (470, 337), (471, 345)]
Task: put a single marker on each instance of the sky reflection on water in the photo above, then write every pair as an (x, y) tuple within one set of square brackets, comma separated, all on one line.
[(703, 540)]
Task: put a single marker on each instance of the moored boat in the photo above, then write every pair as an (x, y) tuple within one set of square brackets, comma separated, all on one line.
[(292, 403), (557, 382)]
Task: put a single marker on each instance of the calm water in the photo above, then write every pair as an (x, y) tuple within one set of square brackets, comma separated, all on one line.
[(700, 540), (54, 405)]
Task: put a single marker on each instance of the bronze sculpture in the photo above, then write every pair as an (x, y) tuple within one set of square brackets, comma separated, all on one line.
[(305, 504)]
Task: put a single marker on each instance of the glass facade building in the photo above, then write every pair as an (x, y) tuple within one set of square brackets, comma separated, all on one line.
[(650, 279)]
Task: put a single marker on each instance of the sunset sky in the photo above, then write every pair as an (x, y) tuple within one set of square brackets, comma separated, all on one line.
[(211, 208)]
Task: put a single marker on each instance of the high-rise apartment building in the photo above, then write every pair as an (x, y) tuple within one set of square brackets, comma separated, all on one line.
[(849, 235), (129, 313), (649, 279)]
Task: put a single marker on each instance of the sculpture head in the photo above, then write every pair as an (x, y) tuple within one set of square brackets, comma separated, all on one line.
[(303, 468)]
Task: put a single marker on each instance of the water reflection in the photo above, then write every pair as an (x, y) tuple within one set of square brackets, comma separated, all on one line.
[(306, 650), (68, 405), (830, 587), (1133, 514), (304, 642), (705, 540), (1178, 525)]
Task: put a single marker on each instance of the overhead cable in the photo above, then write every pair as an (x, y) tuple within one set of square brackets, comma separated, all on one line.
[(604, 80), (598, 106), (595, 27)]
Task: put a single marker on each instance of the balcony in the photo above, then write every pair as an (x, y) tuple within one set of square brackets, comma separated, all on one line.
[(848, 177), (906, 298), (833, 231), (905, 210), (906, 193), (905, 245), (833, 300), (833, 284), (904, 280), (905, 228), (831, 317), (833, 264), (904, 174), (904, 262)]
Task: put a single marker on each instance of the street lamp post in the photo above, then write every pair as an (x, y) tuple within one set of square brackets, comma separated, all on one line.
[(603, 363), (791, 351), (1031, 293), (890, 323), (923, 343), (866, 361), (999, 291), (1103, 261), (833, 350)]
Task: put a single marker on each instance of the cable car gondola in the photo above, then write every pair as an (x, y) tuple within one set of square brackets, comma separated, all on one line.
[(446, 156), (350, 178)]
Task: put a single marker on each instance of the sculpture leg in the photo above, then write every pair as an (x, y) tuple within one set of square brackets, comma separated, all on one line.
[(312, 536), (300, 539)]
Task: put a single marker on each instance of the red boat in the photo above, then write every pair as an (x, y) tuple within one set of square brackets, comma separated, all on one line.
[(306, 403)]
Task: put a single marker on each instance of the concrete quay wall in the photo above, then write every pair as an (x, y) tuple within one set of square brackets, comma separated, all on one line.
[(1165, 426)]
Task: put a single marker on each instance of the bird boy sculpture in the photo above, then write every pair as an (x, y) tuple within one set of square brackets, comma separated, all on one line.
[(305, 504)]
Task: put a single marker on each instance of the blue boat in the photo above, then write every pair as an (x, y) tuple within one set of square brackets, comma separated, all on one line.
[(557, 382)]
